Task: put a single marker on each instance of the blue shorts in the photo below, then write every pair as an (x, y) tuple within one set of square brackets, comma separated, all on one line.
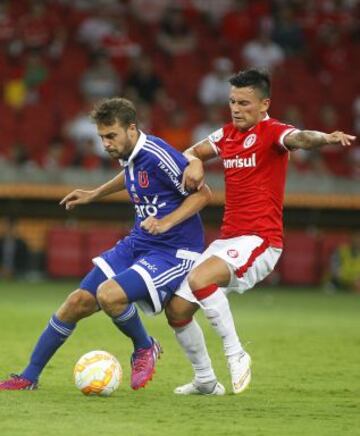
[(148, 277)]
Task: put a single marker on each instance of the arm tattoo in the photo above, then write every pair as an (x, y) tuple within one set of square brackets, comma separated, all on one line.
[(306, 139)]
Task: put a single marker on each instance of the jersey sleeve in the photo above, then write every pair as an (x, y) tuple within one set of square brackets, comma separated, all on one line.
[(279, 131), (215, 139), (170, 166)]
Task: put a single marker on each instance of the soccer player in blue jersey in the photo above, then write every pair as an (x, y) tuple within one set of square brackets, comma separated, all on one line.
[(148, 265)]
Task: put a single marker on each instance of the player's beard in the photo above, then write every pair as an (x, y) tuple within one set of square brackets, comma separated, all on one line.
[(124, 153)]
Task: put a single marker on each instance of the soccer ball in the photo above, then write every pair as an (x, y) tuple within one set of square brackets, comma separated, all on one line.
[(97, 373)]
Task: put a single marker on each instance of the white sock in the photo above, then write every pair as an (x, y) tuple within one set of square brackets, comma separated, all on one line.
[(217, 310), (192, 341)]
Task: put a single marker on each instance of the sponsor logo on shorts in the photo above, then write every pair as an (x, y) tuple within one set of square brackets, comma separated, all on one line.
[(149, 266), (233, 253)]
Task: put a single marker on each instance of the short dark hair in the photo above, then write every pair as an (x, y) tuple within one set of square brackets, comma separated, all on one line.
[(257, 79), (112, 110)]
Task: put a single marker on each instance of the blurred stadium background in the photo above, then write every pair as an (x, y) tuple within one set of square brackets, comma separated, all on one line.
[(172, 58)]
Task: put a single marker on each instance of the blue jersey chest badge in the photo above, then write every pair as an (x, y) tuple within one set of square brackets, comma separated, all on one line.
[(143, 179)]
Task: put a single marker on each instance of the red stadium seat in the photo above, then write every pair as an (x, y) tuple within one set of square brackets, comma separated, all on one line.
[(65, 253), (300, 262), (99, 240)]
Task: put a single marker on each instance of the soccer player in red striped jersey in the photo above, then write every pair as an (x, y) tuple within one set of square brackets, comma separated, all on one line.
[(255, 150)]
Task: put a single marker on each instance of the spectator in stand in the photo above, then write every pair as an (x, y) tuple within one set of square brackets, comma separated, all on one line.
[(332, 52), (19, 157), (214, 87), (100, 80), (36, 74), (354, 163), (86, 156), (345, 266), (214, 119), (335, 158), (14, 253), (149, 11), (55, 157), (79, 131), (177, 132), (119, 46), (7, 23), (262, 52), (238, 24), (145, 118), (175, 37), (287, 32), (15, 92), (58, 44), (293, 115), (356, 112), (36, 28), (329, 117), (96, 27), (143, 82), (301, 160), (213, 10)]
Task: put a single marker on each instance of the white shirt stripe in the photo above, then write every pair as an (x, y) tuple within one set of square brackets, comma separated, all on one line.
[(163, 156), (164, 152)]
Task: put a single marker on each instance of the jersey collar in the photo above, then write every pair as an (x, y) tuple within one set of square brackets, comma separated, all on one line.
[(266, 117), (138, 146)]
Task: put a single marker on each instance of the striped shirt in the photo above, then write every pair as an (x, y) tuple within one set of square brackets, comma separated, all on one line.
[(153, 175)]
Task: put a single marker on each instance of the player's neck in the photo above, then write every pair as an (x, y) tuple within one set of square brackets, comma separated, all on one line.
[(262, 117), (134, 137)]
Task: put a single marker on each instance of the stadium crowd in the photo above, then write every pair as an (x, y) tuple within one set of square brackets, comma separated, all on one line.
[(172, 58)]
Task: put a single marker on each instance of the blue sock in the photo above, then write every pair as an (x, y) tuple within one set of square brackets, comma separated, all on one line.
[(130, 324), (51, 339)]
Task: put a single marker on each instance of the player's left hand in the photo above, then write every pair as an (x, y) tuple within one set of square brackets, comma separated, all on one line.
[(339, 138), (155, 226), (194, 176)]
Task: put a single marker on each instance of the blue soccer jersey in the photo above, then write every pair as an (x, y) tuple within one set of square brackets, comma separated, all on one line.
[(148, 267), (153, 175)]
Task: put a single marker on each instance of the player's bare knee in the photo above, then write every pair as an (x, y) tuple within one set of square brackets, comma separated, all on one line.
[(195, 281), (79, 304), (110, 296), (179, 310)]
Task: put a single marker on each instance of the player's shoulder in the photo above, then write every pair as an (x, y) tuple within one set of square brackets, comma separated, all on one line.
[(222, 133), (156, 148), (158, 151), (155, 143), (274, 131), (273, 123)]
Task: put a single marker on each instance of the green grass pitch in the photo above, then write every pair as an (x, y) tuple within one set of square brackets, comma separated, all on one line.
[(305, 347)]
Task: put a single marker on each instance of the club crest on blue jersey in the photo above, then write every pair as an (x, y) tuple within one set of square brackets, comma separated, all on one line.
[(143, 179)]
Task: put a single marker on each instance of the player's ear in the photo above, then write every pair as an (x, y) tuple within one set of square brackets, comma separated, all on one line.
[(132, 128), (265, 103)]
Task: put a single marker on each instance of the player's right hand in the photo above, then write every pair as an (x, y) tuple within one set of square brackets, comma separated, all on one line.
[(339, 138), (79, 196), (194, 176)]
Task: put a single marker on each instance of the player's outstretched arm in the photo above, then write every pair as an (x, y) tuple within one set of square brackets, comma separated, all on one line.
[(190, 206), (309, 139), (194, 176), (81, 196)]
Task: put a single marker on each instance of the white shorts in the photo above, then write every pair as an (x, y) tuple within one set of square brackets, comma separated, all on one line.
[(249, 258)]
